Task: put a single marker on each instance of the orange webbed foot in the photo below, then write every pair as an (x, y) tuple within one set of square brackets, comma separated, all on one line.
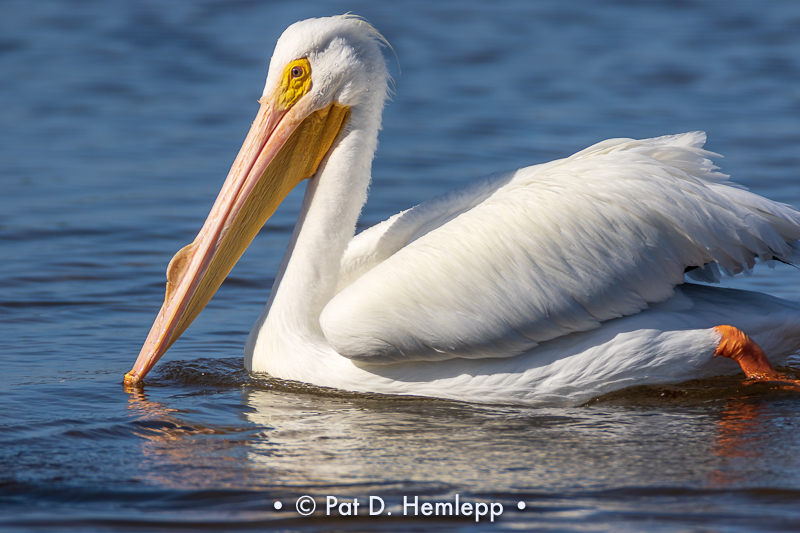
[(736, 345)]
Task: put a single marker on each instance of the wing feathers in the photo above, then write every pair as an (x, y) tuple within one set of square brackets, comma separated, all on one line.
[(517, 259), (374, 245)]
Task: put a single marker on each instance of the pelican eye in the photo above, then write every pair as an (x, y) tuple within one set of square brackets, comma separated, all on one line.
[(296, 82)]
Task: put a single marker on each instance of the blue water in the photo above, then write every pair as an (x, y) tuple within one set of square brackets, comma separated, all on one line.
[(118, 123)]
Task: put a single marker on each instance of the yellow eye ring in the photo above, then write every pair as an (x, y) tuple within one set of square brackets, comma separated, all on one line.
[(296, 83)]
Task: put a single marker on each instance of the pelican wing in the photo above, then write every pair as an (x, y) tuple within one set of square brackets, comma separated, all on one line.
[(517, 259), (376, 244)]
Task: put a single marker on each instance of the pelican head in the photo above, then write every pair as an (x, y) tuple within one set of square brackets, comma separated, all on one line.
[(326, 77)]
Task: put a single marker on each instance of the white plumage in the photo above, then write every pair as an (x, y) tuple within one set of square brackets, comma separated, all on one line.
[(553, 283), (521, 258)]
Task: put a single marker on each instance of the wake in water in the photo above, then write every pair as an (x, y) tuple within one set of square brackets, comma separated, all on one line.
[(720, 388), (229, 373)]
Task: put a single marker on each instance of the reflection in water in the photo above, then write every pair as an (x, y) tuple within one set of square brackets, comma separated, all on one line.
[(434, 445), (738, 439), (146, 409), (738, 430), (756, 435), (640, 452), (178, 452)]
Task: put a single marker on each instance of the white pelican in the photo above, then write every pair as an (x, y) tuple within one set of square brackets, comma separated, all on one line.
[(552, 283)]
